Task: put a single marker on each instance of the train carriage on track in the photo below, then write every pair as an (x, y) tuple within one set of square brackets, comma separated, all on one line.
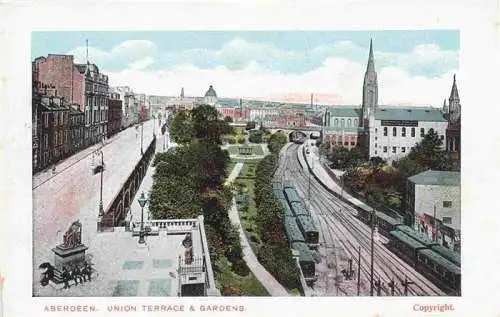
[(309, 230), (292, 195), (292, 230), (447, 254), (288, 184), (440, 265), (299, 209), (306, 262), (287, 212), (440, 268)]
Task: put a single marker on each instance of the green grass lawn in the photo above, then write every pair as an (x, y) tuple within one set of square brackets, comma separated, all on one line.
[(256, 149), (248, 214), (227, 279)]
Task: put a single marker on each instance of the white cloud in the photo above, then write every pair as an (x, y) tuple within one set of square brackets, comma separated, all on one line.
[(337, 76), (133, 53)]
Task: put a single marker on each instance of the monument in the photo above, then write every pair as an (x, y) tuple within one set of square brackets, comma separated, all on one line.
[(71, 251)]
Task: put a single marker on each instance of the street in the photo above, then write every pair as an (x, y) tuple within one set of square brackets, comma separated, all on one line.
[(73, 193)]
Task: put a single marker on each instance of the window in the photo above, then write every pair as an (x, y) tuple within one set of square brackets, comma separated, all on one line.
[(375, 152), (403, 132), (342, 123), (412, 132), (339, 143), (446, 204), (349, 123), (336, 124), (422, 132), (353, 143), (376, 138), (385, 149), (385, 131), (447, 220), (441, 137), (393, 149), (403, 149), (375, 144), (355, 122), (394, 131), (46, 119)]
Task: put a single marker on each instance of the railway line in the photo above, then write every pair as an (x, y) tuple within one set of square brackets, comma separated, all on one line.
[(339, 228)]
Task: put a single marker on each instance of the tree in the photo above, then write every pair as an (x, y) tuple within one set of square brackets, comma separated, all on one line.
[(430, 154), (181, 129), (228, 119), (250, 125), (206, 124), (255, 136), (276, 142)]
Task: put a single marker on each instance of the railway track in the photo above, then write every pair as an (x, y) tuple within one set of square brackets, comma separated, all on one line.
[(348, 232)]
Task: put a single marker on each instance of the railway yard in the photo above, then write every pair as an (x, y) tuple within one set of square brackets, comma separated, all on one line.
[(343, 239)]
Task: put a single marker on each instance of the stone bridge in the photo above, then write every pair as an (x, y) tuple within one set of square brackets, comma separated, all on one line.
[(304, 131)]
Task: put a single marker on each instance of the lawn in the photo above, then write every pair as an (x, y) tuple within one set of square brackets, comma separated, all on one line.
[(248, 210), (233, 284), (256, 149)]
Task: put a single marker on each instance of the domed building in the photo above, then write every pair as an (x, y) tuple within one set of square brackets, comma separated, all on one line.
[(210, 96)]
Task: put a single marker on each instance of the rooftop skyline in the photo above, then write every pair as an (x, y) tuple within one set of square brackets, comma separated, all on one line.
[(414, 67)]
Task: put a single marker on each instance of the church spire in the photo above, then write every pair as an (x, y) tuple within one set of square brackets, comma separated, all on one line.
[(371, 63), (454, 90)]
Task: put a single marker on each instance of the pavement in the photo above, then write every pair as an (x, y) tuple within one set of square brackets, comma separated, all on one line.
[(73, 193), (273, 287)]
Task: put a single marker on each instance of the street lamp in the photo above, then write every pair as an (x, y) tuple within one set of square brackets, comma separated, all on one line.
[(97, 169), (142, 202)]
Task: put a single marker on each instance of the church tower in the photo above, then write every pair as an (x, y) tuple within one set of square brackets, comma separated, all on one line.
[(370, 90), (370, 101), (454, 104), (182, 93), (453, 130)]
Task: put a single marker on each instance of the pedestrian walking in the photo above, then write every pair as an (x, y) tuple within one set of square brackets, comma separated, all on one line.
[(84, 273), (65, 277)]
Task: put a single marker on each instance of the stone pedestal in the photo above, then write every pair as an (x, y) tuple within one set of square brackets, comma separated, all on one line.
[(68, 257)]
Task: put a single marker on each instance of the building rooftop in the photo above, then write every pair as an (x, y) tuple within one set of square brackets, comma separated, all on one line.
[(409, 114), (347, 111), (430, 177), (211, 92), (343, 129)]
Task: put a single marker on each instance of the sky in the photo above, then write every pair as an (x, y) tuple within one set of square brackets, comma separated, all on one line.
[(414, 67)]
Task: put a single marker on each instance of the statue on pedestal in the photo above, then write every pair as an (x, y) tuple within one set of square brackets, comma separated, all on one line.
[(73, 236)]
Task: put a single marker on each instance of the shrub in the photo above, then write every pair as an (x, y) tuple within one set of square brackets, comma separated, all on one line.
[(240, 267)]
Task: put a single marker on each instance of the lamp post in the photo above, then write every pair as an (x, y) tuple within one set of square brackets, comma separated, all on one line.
[(101, 208), (154, 126), (142, 129), (142, 202)]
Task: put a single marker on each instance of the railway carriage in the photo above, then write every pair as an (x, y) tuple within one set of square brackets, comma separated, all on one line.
[(279, 194), (405, 245), (447, 254), (292, 195), (440, 268), (288, 184), (292, 230), (299, 209), (287, 212), (309, 230), (306, 262)]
